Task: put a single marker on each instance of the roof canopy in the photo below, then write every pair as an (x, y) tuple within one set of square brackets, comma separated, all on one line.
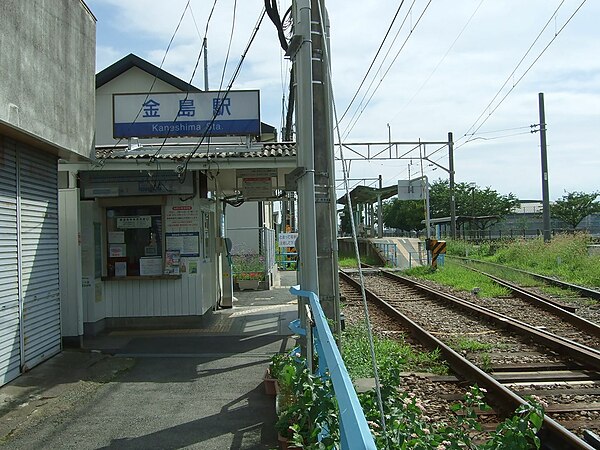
[(366, 194)]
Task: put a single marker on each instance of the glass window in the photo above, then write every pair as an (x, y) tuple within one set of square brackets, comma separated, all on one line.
[(134, 240)]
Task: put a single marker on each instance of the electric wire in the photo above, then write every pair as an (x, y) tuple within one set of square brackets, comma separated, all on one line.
[(229, 44), (372, 62), (354, 236), (439, 62), (273, 13), (383, 59), (189, 86), (556, 34), (187, 5), (182, 169), (351, 127)]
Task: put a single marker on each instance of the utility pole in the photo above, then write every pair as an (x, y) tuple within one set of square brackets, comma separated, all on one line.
[(325, 197), (380, 210), (204, 44), (545, 190), (452, 193), (308, 270)]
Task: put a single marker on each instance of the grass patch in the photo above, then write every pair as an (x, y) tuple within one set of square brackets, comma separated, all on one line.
[(391, 354), (565, 256), (349, 262), (461, 278), (470, 345)]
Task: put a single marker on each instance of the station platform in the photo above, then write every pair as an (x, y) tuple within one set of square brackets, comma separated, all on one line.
[(143, 389)]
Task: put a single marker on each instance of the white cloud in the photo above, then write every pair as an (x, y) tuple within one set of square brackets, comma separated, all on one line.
[(452, 98)]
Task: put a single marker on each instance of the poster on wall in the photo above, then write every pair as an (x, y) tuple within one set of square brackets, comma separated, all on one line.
[(181, 218), (188, 244), (120, 269), (150, 266), (118, 251), (116, 237), (172, 262)]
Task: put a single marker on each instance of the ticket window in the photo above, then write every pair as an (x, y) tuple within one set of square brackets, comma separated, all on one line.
[(134, 236)]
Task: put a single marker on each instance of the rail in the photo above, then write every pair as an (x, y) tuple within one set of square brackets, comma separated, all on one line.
[(355, 433)]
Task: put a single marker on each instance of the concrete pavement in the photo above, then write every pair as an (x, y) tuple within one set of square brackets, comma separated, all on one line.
[(163, 389)]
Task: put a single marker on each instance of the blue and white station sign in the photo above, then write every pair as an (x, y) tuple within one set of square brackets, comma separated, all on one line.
[(186, 114)]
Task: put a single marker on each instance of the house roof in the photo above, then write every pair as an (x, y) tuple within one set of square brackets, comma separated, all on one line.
[(180, 152), (130, 61)]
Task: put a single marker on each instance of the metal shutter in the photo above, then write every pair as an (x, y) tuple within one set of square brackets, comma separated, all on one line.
[(10, 346), (38, 209)]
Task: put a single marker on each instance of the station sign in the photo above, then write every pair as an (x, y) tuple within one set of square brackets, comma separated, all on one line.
[(412, 189), (189, 114)]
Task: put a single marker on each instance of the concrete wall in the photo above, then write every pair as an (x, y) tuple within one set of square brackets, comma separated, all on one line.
[(47, 56)]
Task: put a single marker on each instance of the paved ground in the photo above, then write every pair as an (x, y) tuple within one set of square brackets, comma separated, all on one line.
[(165, 389)]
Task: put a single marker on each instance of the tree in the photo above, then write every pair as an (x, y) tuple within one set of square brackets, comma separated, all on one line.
[(573, 207), (471, 201), (405, 215)]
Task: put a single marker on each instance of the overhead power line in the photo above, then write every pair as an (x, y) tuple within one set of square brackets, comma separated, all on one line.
[(183, 168), (514, 85), (372, 62), (187, 93), (187, 5), (352, 125)]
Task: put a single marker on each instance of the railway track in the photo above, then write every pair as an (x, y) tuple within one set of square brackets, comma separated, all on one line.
[(522, 358)]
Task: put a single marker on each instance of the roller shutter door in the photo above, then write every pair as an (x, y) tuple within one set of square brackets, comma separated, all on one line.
[(38, 209), (10, 336)]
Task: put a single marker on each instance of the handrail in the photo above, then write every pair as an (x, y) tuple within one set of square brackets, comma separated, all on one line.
[(354, 430)]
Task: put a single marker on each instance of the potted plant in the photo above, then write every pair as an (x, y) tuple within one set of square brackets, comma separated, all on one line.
[(307, 408), (278, 361), (249, 270)]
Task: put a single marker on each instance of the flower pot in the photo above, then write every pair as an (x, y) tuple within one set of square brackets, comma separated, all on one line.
[(248, 284), (284, 444), (270, 384)]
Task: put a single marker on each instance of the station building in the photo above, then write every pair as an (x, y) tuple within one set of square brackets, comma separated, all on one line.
[(146, 221)]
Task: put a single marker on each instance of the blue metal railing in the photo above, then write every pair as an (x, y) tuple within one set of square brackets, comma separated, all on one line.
[(355, 433)]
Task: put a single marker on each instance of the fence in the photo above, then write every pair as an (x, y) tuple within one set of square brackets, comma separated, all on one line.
[(354, 430), (286, 260)]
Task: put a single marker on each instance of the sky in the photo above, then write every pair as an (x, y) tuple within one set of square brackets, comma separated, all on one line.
[(470, 67)]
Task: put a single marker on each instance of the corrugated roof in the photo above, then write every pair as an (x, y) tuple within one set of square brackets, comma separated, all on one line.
[(181, 152)]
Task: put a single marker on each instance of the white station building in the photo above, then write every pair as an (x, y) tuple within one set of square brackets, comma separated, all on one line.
[(145, 221)]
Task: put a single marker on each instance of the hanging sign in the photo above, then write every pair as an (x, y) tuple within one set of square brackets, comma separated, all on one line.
[(186, 114), (287, 239)]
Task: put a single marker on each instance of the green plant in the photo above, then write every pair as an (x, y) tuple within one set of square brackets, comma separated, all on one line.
[(308, 408), (278, 362), (471, 345), (407, 426), (453, 274), (392, 355), (486, 362), (248, 266)]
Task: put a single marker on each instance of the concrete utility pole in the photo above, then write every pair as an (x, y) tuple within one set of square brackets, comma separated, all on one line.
[(309, 275), (204, 44), (545, 190), (324, 163), (380, 210), (452, 193)]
